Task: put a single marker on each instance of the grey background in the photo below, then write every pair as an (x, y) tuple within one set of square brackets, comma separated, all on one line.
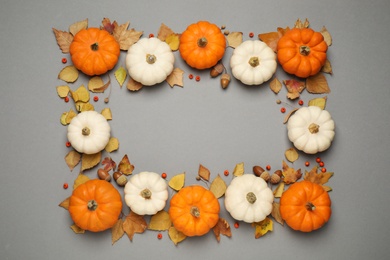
[(173, 130)]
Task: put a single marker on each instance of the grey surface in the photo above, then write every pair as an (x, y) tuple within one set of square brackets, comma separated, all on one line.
[(173, 130)]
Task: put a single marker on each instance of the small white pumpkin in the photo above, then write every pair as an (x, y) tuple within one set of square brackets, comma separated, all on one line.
[(89, 132), (146, 193), (149, 61), (253, 62), (248, 198), (311, 129)]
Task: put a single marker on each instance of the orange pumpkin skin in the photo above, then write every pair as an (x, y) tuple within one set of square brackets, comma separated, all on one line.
[(202, 45), (302, 52), (194, 210), (305, 206), (94, 51), (95, 205)]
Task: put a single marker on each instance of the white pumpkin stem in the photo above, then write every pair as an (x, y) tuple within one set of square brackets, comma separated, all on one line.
[(85, 131), (310, 206), (304, 50), (92, 205), (314, 128), (150, 58), (146, 194), (251, 197), (202, 42), (195, 212), (254, 61)]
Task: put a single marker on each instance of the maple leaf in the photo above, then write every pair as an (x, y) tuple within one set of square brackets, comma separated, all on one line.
[(109, 164), (125, 166), (262, 227), (175, 78), (134, 223), (107, 25), (125, 37), (117, 231), (164, 31), (290, 175), (294, 88), (319, 178), (222, 227), (64, 39)]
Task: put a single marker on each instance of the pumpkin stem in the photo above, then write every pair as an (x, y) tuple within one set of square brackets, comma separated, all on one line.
[(195, 212), (304, 50), (251, 197), (92, 205), (95, 46), (254, 61), (150, 58), (314, 128), (146, 194), (310, 206), (202, 42), (85, 131)]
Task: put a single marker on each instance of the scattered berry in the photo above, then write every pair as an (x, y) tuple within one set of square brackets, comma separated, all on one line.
[(283, 110), (318, 159), (96, 98), (268, 167), (68, 144), (197, 78), (66, 185), (159, 235), (66, 99), (321, 164), (236, 224), (64, 60), (300, 102), (190, 76), (307, 163), (151, 35), (251, 34), (163, 175), (323, 169), (226, 172)]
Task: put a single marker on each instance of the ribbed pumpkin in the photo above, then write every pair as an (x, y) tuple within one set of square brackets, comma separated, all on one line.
[(202, 45), (94, 51)]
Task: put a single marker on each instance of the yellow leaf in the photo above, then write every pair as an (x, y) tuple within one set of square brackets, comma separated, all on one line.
[(239, 169), (78, 26), (81, 178), (175, 235), (81, 94), (175, 78), (160, 221), (65, 203), (77, 230), (275, 85), (218, 187), (279, 190), (64, 39), (63, 91), (120, 75), (262, 227), (117, 231), (177, 181), (72, 159), (133, 85), (95, 83), (327, 36), (291, 154), (204, 173), (89, 161), (125, 167), (70, 115), (81, 106), (112, 145), (106, 112), (319, 102), (173, 41), (69, 74), (234, 39)]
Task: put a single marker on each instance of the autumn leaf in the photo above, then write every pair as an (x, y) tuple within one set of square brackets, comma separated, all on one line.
[(95, 83), (125, 37), (319, 178), (175, 78), (134, 223), (107, 25), (289, 114), (319, 102), (117, 231), (279, 190), (204, 173), (72, 159), (133, 85), (66, 117), (65, 203), (81, 178), (173, 41), (262, 227), (238, 169), (290, 175), (89, 161), (69, 74), (106, 112), (276, 213), (222, 227), (218, 187), (177, 181), (77, 229), (125, 167), (317, 84), (64, 39), (109, 164), (275, 85), (63, 91), (234, 39), (160, 221), (294, 88), (271, 39), (78, 26), (84, 106), (327, 36), (327, 68), (163, 32), (175, 235), (120, 75), (300, 24), (112, 145), (81, 94), (291, 154)]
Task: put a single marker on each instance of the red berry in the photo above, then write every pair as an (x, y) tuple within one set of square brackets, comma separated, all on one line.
[(226, 172), (323, 169), (321, 164), (190, 76), (151, 35), (197, 78), (159, 235), (251, 34), (66, 99), (268, 167), (236, 224), (283, 110), (307, 163), (64, 60), (66, 185), (318, 159), (163, 175), (300, 102), (68, 144), (96, 98)]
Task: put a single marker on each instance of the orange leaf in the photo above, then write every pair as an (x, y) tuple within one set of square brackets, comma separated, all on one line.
[(271, 39), (64, 39), (290, 175), (175, 78), (117, 231), (109, 164), (204, 173), (319, 178), (125, 166), (107, 25), (222, 227), (134, 224), (317, 84), (294, 88)]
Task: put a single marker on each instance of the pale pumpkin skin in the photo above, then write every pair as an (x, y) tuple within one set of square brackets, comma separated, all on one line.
[(89, 132), (253, 62), (146, 193), (150, 61), (248, 198), (311, 129)]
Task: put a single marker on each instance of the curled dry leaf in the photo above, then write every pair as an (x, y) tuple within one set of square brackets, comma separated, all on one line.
[(289, 114), (175, 78), (319, 102), (262, 227), (319, 178), (109, 164), (275, 85), (81, 178), (177, 181), (64, 39), (120, 75), (95, 83), (117, 231), (82, 106), (275, 213), (175, 235), (300, 24), (204, 173), (112, 145), (66, 117), (125, 37), (279, 190), (222, 227), (234, 39), (77, 229), (238, 169), (65, 203), (294, 88), (164, 31), (63, 91), (327, 36), (89, 161), (134, 223), (327, 68), (173, 41), (160, 221), (106, 112), (218, 187), (69, 74), (78, 26), (72, 159), (290, 175), (133, 85), (125, 167), (81, 94), (317, 84), (291, 154)]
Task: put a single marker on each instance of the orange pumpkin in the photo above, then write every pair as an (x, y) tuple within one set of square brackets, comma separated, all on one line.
[(194, 210), (94, 51), (305, 206), (95, 205), (202, 45), (302, 52)]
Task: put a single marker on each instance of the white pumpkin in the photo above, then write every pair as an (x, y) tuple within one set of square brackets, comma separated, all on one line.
[(149, 61), (248, 198), (253, 62), (146, 193), (311, 129), (89, 132)]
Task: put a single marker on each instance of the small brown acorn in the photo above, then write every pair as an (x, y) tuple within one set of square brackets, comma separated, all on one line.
[(225, 80)]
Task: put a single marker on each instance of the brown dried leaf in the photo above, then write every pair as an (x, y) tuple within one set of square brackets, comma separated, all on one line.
[(175, 78), (160, 221), (222, 227), (125, 37), (319, 102), (327, 68), (125, 167), (238, 169), (218, 187), (134, 224), (163, 32), (77, 230), (117, 231), (317, 84), (69, 74), (72, 159), (291, 154), (64, 39), (78, 26), (106, 112), (319, 178), (271, 39), (204, 173), (173, 41), (287, 117), (109, 164), (81, 178), (262, 227), (63, 91), (290, 175), (175, 235), (89, 161), (294, 88), (275, 85), (279, 190), (95, 83), (282, 31), (177, 181), (327, 36), (112, 145), (276, 213), (107, 25), (121, 75), (300, 24), (133, 85), (65, 203), (234, 39)]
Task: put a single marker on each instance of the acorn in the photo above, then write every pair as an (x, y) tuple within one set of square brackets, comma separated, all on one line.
[(104, 175), (275, 178), (120, 179), (216, 70), (265, 176), (258, 170), (225, 80)]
